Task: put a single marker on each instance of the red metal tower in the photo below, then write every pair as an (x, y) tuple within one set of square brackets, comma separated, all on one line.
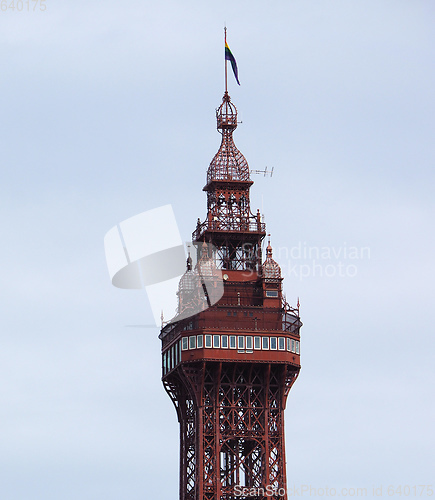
[(228, 365)]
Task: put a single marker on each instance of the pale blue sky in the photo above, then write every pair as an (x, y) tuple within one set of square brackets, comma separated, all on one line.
[(107, 111)]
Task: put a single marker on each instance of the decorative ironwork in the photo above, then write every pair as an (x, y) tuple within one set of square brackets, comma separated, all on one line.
[(228, 164)]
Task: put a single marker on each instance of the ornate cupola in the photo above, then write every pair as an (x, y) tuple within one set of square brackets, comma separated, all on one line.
[(272, 293), (271, 269), (228, 164), (189, 297), (200, 286), (230, 225)]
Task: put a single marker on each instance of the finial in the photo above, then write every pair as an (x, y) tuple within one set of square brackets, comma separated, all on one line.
[(189, 259), (269, 247)]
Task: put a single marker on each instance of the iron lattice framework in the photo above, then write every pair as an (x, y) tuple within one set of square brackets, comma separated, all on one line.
[(228, 365)]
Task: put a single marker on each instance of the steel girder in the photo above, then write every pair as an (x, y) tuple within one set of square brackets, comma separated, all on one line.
[(231, 427)]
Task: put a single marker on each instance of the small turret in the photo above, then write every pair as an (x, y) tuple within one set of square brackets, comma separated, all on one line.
[(272, 293), (271, 269)]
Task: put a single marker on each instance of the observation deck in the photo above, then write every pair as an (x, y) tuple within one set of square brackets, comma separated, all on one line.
[(229, 226), (234, 331)]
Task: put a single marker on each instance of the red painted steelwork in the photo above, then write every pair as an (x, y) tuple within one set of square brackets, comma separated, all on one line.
[(229, 368)]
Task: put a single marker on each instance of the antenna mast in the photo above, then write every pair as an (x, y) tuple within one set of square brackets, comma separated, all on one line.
[(265, 172), (226, 83)]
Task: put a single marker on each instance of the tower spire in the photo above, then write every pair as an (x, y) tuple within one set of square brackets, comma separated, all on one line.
[(230, 225)]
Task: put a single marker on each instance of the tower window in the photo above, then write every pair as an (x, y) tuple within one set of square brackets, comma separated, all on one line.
[(297, 347), (257, 343), (273, 343), (185, 344), (281, 343), (200, 341), (216, 341), (265, 343), (241, 342), (293, 345), (249, 343), (288, 344), (192, 342), (271, 293), (232, 341), (224, 341)]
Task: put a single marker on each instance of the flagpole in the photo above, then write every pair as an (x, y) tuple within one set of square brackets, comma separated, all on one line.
[(226, 89)]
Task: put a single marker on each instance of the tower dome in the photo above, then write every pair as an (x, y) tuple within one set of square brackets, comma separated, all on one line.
[(271, 270), (188, 282), (228, 164), (188, 291)]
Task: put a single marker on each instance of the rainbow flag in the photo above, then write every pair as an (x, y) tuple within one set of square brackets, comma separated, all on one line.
[(229, 57)]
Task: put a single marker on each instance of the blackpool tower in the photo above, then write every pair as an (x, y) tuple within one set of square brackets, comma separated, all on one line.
[(232, 353)]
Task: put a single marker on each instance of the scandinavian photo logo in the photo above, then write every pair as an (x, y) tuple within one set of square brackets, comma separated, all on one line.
[(303, 261)]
